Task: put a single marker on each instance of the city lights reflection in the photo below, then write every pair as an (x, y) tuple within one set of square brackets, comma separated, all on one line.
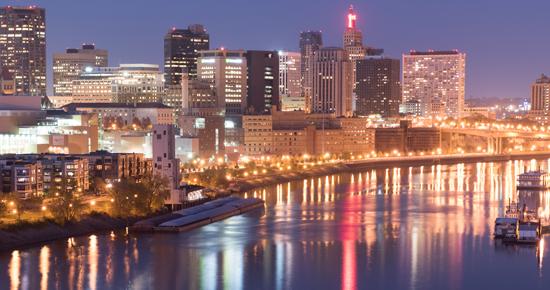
[(401, 227)]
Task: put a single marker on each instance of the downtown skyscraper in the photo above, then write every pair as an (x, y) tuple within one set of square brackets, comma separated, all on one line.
[(378, 86), (23, 48), (290, 86), (353, 37), (435, 80), (226, 70), (262, 80), (181, 50), (332, 87), (310, 42)]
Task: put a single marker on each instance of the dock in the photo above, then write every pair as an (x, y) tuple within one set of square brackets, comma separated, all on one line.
[(200, 215)]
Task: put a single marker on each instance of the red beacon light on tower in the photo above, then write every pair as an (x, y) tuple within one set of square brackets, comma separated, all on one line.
[(352, 17)]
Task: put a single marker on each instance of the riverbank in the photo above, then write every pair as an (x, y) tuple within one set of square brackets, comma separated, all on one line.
[(251, 183), (29, 234)]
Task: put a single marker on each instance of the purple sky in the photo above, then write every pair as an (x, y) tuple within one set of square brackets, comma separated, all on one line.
[(506, 41)]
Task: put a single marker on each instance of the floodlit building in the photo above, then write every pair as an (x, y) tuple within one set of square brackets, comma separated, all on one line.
[(69, 65), (164, 160), (378, 87), (332, 87), (296, 133), (181, 50), (436, 79), (127, 83), (138, 116), (111, 166), (227, 71), (290, 87), (406, 138), (540, 95), (25, 128), (33, 175), (23, 48)]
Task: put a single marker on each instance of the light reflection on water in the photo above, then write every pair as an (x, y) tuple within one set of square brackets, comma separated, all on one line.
[(425, 227)]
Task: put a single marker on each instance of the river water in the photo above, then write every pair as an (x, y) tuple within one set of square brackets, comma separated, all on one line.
[(397, 228)]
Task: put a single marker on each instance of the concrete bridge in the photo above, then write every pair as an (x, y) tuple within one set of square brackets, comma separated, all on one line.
[(495, 137), (383, 162)]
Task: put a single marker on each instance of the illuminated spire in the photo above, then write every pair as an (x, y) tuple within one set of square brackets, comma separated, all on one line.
[(352, 17)]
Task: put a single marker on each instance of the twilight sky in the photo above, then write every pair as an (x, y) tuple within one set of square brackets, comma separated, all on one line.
[(506, 41)]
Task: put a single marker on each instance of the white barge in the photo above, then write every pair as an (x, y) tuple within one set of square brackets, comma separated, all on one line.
[(193, 217)]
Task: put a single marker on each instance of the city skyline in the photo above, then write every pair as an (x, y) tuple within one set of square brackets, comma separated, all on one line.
[(381, 23)]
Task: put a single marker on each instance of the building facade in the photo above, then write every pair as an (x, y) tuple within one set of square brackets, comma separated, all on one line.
[(127, 83), (332, 87), (23, 48), (540, 96), (436, 79), (290, 86), (296, 133), (165, 163), (378, 87), (405, 138), (69, 65), (262, 80), (181, 50), (203, 117), (34, 175), (310, 42), (227, 71), (138, 116)]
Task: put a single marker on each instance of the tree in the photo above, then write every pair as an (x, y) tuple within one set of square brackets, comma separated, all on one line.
[(14, 204), (119, 122), (98, 186), (66, 205), (3, 208), (136, 122), (155, 190), (123, 195), (146, 123)]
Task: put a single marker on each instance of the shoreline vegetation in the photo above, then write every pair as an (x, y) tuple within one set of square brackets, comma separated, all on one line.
[(24, 233)]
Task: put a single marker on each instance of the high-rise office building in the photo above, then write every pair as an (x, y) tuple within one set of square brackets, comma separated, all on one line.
[(68, 65), (310, 42), (127, 83), (540, 96), (23, 48), (436, 79), (227, 71), (378, 86), (181, 50), (289, 73), (262, 80), (353, 37), (290, 87), (332, 90)]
